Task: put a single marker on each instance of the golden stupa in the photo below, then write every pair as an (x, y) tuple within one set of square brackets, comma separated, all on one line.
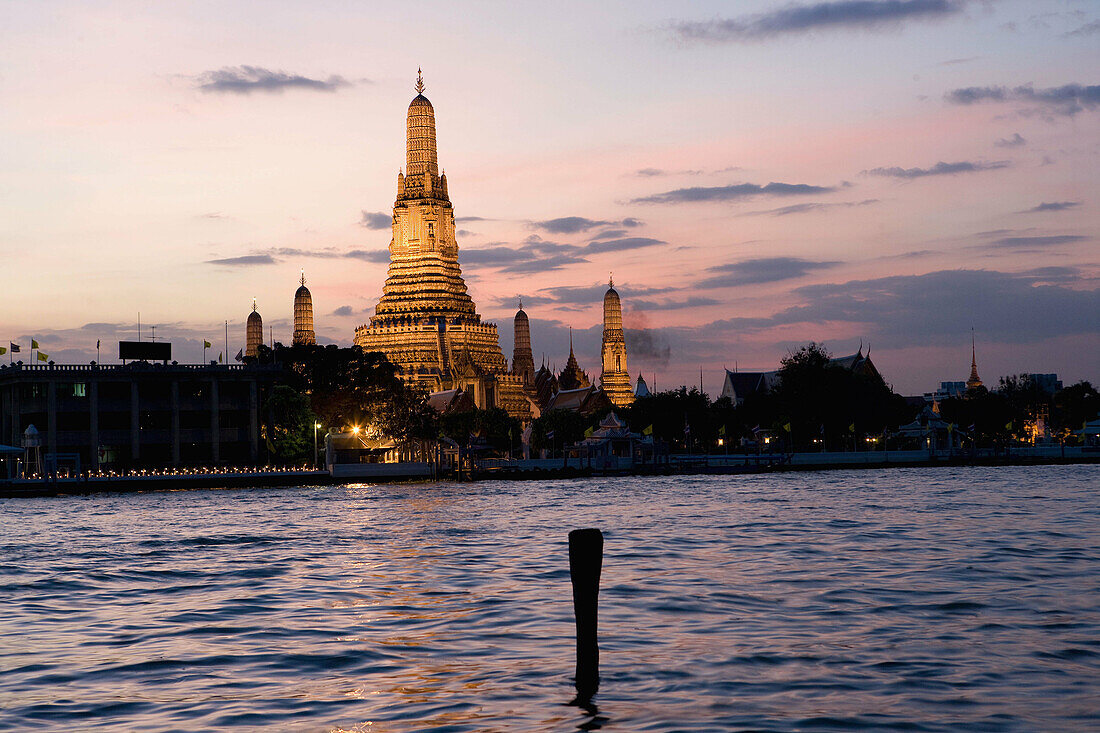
[(426, 323)]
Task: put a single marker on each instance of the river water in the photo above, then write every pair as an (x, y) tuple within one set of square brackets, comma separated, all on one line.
[(920, 599)]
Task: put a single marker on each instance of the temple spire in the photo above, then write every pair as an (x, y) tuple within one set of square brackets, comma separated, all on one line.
[(302, 280), (610, 280), (419, 81), (974, 381)]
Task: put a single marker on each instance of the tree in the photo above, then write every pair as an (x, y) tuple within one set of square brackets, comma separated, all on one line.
[(289, 435), (493, 426), (555, 429)]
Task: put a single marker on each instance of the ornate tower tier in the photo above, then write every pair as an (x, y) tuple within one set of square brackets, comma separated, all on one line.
[(253, 332), (426, 323), (303, 316), (523, 361), (614, 378)]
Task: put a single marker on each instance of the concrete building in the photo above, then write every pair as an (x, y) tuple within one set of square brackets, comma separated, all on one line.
[(138, 414)]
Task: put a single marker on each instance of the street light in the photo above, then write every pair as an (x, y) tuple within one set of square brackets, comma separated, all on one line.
[(316, 427)]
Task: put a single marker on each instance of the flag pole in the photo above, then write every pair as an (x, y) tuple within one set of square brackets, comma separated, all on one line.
[(227, 342)]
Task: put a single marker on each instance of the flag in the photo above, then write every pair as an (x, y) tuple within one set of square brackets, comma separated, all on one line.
[(219, 357), (756, 430), (3, 351), (950, 428), (14, 347), (43, 357), (588, 433), (240, 355), (1008, 425), (34, 344), (852, 428), (550, 435), (972, 428), (648, 431), (722, 430), (206, 344), (97, 343), (787, 427)]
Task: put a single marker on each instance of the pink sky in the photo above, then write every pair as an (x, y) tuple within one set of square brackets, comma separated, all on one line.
[(140, 159)]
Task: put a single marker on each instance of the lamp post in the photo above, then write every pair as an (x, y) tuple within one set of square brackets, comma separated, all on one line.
[(316, 427)]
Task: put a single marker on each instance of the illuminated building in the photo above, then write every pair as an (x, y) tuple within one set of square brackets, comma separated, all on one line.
[(425, 322), (614, 378), (253, 332), (572, 376), (974, 381), (303, 316), (523, 361)]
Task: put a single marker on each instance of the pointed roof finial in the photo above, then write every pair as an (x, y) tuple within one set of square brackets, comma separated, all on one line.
[(610, 280), (253, 305), (521, 302), (303, 278), (570, 340), (419, 81)]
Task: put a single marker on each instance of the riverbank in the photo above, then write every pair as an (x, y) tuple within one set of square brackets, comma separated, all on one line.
[(539, 469)]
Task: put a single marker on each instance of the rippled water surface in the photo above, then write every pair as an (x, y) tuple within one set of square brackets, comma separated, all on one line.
[(903, 599)]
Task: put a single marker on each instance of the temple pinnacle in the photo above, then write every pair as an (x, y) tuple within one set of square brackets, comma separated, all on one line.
[(303, 278), (610, 280), (419, 81)]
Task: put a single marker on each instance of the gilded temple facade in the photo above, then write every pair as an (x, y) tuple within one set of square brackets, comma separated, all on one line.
[(303, 316), (614, 379), (425, 322), (253, 333)]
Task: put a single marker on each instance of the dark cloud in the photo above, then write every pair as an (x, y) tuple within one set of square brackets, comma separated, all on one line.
[(631, 222), (809, 207), (568, 224), (1053, 206), (862, 14), (376, 220), (1089, 29), (1036, 242), (1010, 142), (378, 256), (647, 346), (939, 169), (904, 310), (344, 310), (609, 234), (587, 295), (463, 219), (659, 172), (244, 261), (575, 224), (1068, 99), (952, 62), (761, 270), (534, 255), (248, 79), (733, 192), (619, 245), (668, 305)]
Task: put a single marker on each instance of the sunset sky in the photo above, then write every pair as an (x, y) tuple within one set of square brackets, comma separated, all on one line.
[(757, 175)]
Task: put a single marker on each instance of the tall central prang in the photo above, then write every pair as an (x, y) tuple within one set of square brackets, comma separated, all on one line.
[(426, 323)]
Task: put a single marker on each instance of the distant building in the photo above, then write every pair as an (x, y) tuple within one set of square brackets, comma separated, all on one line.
[(139, 414), (739, 385), (523, 361), (641, 389), (303, 316), (947, 390), (614, 378), (254, 333), (1049, 383), (572, 376), (974, 381)]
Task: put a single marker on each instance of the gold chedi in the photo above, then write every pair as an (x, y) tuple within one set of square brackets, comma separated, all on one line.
[(614, 379), (426, 323), (303, 316)]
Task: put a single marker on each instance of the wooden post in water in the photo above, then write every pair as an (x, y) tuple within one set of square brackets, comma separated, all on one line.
[(585, 565)]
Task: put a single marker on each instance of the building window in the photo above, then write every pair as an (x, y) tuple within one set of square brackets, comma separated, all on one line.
[(431, 228), (80, 389)]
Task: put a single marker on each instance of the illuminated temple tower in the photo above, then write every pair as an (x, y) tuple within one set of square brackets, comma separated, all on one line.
[(614, 378), (523, 361), (253, 332), (974, 381), (303, 316), (426, 323)]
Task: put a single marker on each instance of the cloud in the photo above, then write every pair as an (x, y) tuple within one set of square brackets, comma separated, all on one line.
[(904, 310), (534, 255), (248, 79), (575, 224), (1053, 206), (1033, 242), (1089, 29), (1010, 142), (376, 220), (631, 222), (344, 310), (691, 302), (761, 270), (619, 245), (463, 219), (378, 256), (733, 192), (939, 169), (244, 261), (587, 295), (809, 207), (845, 14), (1068, 99)]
